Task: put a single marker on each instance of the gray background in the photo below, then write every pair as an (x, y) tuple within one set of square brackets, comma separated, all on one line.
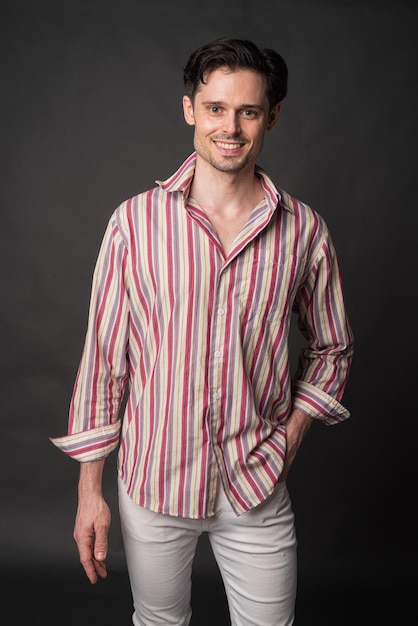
[(91, 114)]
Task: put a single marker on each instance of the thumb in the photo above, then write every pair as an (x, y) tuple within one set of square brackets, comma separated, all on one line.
[(100, 546)]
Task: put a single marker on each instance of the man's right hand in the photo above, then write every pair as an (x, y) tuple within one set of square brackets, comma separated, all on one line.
[(92, 522)]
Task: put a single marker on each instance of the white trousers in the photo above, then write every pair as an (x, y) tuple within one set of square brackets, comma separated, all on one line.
[(255, 552)]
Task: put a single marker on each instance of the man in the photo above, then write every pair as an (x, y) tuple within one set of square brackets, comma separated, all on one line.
[(191, 302)]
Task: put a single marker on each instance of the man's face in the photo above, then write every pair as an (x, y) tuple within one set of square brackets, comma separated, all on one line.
[(230, 114)]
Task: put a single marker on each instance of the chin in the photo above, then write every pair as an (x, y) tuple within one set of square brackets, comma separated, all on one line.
[(229, 164)]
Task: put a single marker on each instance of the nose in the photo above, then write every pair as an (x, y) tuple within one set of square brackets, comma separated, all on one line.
[(231, 123)]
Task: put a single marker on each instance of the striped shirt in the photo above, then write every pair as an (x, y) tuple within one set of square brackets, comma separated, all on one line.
[(202, 342)]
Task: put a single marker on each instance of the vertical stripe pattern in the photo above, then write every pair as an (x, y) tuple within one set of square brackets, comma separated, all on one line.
[(201, 340)]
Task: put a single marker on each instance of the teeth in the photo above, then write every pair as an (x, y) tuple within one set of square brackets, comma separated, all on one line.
[(228, 146)]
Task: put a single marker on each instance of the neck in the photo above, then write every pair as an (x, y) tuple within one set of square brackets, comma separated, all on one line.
[(213, 188)]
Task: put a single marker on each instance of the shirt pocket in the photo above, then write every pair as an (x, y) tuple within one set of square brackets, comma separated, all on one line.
[(268, 288)]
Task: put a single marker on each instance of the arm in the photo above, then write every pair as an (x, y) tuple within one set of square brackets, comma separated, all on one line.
[(92, 521), (94, 424), (325, 363)]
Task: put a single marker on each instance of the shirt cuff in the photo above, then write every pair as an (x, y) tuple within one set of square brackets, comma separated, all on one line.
[(90, 445), (317, 404)]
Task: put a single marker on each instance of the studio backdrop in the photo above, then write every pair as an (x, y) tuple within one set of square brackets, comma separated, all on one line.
[(91, 115)]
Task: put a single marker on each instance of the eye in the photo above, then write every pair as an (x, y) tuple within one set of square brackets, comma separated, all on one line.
[(215, 109), (251, 113)]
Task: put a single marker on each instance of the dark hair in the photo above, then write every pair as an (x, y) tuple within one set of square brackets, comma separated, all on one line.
[(237, 54)]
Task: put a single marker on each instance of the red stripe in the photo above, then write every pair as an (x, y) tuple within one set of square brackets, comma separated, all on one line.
[(162, 268)]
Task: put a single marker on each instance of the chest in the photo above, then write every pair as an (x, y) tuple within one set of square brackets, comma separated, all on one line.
[(182, 271), (227, 228)]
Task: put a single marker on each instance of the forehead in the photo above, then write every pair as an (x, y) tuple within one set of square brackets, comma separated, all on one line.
[(223, 84)]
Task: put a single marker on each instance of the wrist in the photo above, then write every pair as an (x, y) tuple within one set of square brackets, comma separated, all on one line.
[(90, 480), (298, 425)]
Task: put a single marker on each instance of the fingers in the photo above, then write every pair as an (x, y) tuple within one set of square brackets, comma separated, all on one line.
[(94, 567), (86, 560), (90, 533), (100, 569), (92, 548)]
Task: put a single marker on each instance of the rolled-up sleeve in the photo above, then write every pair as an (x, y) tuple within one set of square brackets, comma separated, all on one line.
[(94, 422), (324, 364)]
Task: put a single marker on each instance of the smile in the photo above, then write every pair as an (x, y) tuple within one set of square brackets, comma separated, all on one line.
[(228, 146)]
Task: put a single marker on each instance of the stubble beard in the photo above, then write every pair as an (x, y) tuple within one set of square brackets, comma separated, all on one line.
[(227, 164)]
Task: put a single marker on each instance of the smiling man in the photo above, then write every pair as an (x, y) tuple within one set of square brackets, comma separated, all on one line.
[(192, 296), (231, 114)]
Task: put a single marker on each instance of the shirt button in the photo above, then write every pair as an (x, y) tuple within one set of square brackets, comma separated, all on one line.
[(216, 395), (221, 311), (217, 353)]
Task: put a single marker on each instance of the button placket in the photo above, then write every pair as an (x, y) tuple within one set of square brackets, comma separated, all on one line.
[(218, 339)]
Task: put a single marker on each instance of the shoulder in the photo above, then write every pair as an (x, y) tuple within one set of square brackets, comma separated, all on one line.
[(293, 210), (140, 204), (303, 213)]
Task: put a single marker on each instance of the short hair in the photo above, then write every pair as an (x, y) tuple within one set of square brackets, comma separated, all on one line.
[(237, 54)]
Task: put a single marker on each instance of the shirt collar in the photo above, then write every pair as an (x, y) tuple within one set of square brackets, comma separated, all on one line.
[(181, 180)]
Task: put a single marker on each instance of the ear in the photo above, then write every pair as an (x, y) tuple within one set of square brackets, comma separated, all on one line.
[(188, 110), (273, 117)]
